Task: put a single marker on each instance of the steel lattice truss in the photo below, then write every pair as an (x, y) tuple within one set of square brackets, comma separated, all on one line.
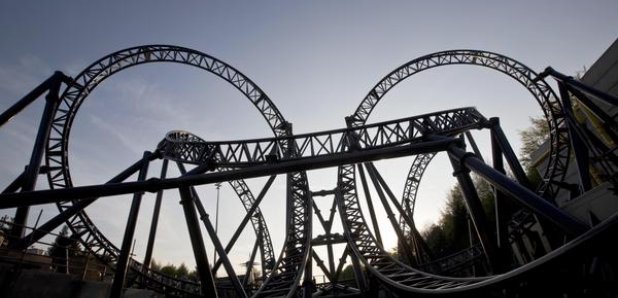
[(187, 148), (72, 98), (358, 145), (545, 96)]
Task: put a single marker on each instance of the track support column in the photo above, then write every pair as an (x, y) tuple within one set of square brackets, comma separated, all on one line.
[(32, 170), (125, 251), (475, 210), (197, 242), (155, 220)]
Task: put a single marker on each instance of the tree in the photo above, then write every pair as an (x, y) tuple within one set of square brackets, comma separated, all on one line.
[(169, 269), (532, 138), (154, 266), (63, 249), (347, 273), (450, 234), (182, 271)]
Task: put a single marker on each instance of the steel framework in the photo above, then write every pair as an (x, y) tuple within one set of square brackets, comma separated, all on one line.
[(353, 150)]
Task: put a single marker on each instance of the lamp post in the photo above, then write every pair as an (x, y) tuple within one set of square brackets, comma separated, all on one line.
[(218, 185)]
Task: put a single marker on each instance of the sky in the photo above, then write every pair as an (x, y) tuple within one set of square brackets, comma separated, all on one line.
[(316, 61)]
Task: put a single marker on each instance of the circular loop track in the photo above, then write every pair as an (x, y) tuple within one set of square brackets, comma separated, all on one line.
[(390, 271), (72, 98)]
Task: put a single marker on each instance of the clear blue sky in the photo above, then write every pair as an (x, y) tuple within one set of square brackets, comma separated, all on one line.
[(315, 60)]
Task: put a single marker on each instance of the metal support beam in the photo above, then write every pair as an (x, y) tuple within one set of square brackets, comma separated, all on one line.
[(246, 219), (372, 213), (579, 147), (502, 208), (417, 239), (320, 263), (32, 170), (609, 124), (15, 185), (308, 286), (342, 260), (155, 220), (129, 232), (65, 215), (579, 85), (54, 80), (229, 269), (472, 143), (407, 253), (207, 282), (153, 185), (509, 154), (523, 195), (258, 240), (214, 238), (477, 215)]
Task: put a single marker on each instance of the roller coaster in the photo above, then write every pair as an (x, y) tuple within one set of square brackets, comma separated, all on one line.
[(581, 260)]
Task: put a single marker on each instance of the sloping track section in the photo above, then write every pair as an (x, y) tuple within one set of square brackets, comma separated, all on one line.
[(548, 276)]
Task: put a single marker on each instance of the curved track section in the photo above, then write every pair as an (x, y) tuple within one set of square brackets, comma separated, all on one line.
[(72, 98), (284, 279), (391, 272), (407, 280), (410, 189), (558, 158)]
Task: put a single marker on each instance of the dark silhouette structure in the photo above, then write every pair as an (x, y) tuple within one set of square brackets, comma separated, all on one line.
[(580, 262)]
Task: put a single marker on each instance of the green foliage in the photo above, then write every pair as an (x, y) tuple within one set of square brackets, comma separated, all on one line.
[(532, 138), (169, 269), (154, 265), (450, 234), (347, 273), (63, 249), (181, 271)]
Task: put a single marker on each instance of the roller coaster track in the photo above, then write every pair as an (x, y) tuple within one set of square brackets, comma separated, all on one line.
[(71, 100), (542, 92), (292, 155), (552, 109), (245, 153)]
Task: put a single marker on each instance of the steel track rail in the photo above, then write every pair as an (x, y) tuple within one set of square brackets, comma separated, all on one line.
[(405, 279), (72, 98), (558, 158)]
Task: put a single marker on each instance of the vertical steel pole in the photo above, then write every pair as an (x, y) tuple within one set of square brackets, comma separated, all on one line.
[(155, 220), (197, 242), (214, 258), (125, 251), (502, 207), (32, 170), (475, 210)]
